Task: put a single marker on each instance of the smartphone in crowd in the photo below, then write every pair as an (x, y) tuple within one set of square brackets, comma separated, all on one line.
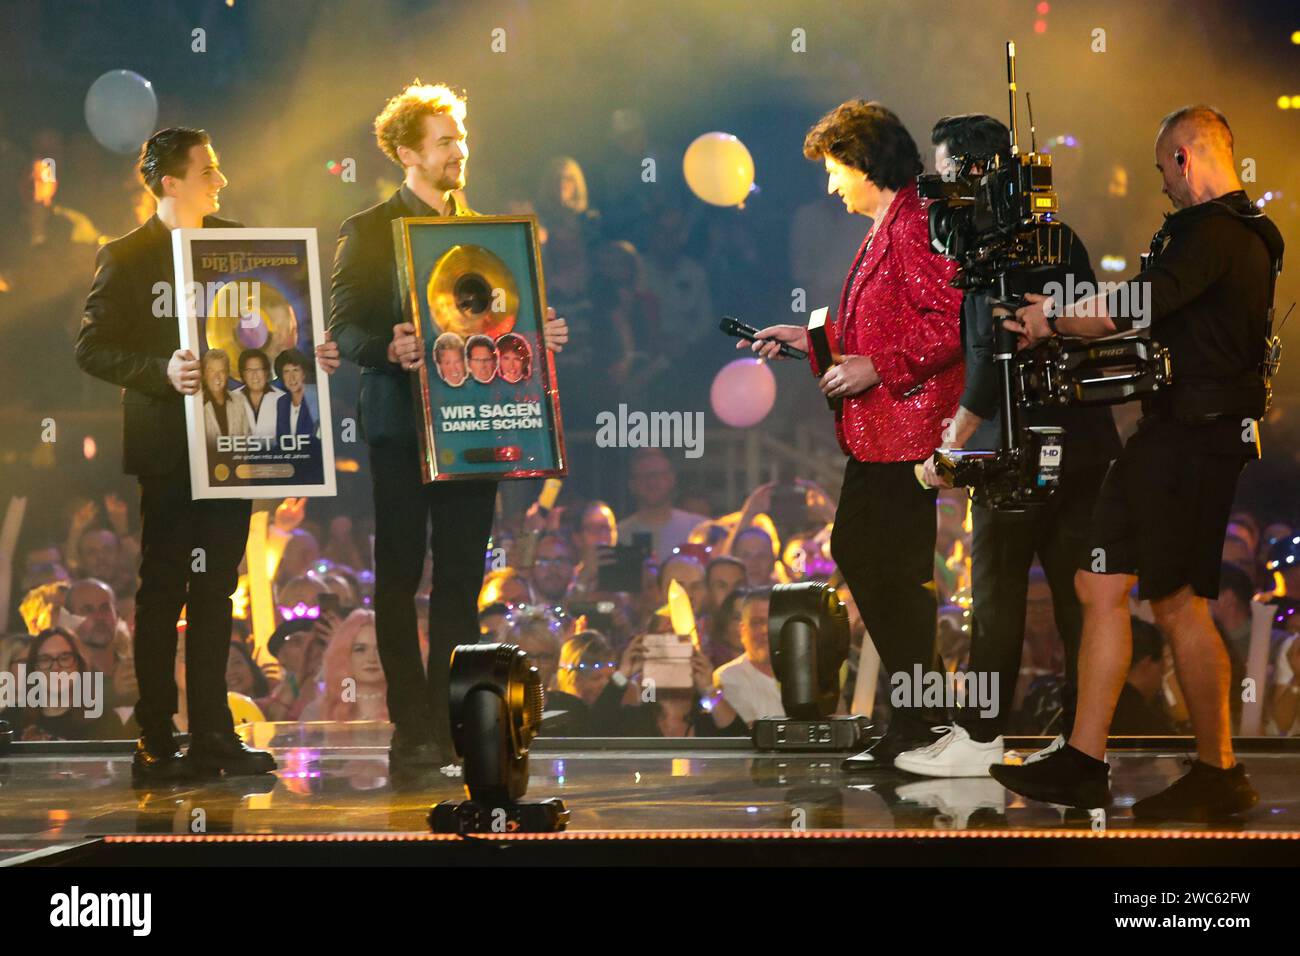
[(620, 566)]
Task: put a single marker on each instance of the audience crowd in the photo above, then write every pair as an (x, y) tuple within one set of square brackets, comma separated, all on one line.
[(586, 594)]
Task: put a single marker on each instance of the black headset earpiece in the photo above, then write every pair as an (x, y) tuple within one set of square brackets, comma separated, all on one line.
[(1181, 158)]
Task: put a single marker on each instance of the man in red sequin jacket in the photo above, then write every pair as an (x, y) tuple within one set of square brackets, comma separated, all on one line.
[(898, 378)]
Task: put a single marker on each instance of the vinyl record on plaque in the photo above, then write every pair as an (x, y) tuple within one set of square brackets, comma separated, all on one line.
[(235, 324), (471, 291)]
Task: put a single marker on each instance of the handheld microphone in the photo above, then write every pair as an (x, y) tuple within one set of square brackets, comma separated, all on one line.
[(733, 326)]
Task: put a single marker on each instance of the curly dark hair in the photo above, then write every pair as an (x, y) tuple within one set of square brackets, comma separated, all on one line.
[(292, 357), (869, 137)]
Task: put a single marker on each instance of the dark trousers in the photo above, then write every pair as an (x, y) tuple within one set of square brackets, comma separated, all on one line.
[(883, 544), (1003, 547), (454, 520), (189, 557)]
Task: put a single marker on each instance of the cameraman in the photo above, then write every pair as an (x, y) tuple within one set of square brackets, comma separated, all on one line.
[(1004, 545), (1163, 510)]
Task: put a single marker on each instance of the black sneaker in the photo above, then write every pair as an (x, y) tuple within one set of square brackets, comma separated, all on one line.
[(157, 759), (1067, 777), (212, 754), (899, 738), (1203, 795)]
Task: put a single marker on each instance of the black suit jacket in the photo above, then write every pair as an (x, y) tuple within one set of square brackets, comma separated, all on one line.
[(366, 302), (123, 342)]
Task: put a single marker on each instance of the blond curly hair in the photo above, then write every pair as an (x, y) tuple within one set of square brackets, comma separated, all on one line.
[(401, 122)]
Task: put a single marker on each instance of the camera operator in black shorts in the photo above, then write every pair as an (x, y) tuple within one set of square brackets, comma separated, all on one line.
[(1163, 509), (1005, 544)]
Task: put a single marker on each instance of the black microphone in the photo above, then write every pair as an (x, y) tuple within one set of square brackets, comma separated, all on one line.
[(733, 326)]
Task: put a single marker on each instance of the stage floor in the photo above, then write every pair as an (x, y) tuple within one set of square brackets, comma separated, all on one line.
[(62, 806)]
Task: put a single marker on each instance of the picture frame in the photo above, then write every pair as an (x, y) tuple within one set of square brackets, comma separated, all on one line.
[(249, 300), (487, 393)]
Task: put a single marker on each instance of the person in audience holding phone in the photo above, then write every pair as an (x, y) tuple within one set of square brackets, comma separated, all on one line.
[(694, 709)]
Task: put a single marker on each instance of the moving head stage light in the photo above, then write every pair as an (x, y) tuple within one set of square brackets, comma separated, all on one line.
[(496, 705), (808, 632)]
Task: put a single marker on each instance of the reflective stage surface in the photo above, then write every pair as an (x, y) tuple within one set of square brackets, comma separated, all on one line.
[(332, 781)]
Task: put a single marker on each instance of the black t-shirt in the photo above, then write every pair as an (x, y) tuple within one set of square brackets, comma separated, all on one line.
[(1209, 292), (1090, 435)]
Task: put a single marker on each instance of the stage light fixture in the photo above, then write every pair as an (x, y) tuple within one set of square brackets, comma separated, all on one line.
[(496, 700), (808, 633)]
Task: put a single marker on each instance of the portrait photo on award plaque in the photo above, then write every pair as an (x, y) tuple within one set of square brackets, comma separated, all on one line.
[(473, 288), (250, 308)]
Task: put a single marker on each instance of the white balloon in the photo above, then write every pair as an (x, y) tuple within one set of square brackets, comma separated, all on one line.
[(121, 110)]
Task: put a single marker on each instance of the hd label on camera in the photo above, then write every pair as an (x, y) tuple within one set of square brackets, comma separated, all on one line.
[(1050, 455)]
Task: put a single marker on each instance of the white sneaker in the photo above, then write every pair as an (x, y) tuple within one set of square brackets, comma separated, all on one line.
[(954, 754), (1047, 751)]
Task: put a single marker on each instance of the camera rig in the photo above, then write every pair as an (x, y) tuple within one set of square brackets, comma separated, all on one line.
[(1106, 371), (996, 217)]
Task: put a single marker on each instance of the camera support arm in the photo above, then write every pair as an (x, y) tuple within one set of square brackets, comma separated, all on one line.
[(1004, 354)]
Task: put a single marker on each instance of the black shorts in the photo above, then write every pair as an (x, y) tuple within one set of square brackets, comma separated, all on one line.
[(1163, 508)]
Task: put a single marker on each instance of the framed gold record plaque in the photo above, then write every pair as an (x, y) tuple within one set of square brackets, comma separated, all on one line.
[(472, 287), (250, 310)]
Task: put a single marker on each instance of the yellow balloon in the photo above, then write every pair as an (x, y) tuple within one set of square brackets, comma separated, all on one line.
[(719, 169)]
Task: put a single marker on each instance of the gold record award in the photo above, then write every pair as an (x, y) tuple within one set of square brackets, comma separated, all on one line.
[(489, 404), (472, 292), (240, 321), (252, 289)]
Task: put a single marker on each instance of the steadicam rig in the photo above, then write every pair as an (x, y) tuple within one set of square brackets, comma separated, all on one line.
[(1062, 371)]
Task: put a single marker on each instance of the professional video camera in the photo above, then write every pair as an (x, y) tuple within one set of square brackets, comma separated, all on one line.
[(996, 216), (997, 219)]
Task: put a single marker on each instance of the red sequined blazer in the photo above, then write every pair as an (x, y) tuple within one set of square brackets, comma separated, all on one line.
[(898, 308)]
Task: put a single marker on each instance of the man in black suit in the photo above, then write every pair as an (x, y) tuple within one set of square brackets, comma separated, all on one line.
[(422, 130), (190, 550)]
